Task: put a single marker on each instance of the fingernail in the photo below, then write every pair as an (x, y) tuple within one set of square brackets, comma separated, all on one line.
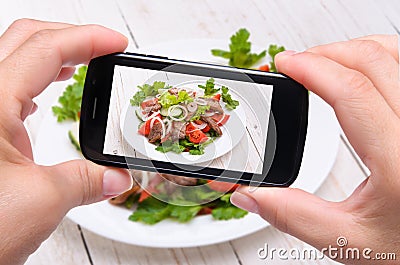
[(286, 53), (116, 182), (245, 202)]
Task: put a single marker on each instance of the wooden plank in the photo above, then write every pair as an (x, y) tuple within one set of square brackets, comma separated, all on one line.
[(391, 10), (64, 246), (357, 18), (105, 251)]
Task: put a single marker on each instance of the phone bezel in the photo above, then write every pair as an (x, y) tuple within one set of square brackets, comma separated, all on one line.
[(289, 112)]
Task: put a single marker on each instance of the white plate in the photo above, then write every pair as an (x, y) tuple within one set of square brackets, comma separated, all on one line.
[(53, 146), (232, 133)]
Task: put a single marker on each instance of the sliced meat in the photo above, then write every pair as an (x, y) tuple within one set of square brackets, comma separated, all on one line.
[(185, 181), (213, 125), (190, 113), (155, 132), (214, 105), (154, 108), (150, 106), (166, 137), (178, 130), (173, 91)]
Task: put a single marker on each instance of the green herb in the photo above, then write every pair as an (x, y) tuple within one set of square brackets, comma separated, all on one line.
[(150, 211), (230, 103), (169, 146), (226, 211), (184, 213), (74, 141), (197, 151), (71, 99), (209, 89), (239, 53), (194, 149), (273, 50), (132, 199), (167, 99), (200, 194), (211, 133), (201, 109), (147, 91), (226, 197), (184, 204)]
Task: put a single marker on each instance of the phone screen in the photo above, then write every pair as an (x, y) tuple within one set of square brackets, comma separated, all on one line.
[(187, 119)]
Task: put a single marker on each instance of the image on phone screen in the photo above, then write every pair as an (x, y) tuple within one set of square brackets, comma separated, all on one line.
[(186, 119)]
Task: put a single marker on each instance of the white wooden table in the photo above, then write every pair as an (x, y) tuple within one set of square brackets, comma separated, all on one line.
[(296, 24)]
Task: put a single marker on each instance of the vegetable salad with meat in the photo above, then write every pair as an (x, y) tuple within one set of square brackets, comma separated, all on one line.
[(179, 119)]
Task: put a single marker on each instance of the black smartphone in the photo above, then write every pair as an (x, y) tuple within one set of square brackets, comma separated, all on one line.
[(193, 119)]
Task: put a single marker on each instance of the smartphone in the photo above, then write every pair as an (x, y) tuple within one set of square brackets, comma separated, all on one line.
[(193, 119)]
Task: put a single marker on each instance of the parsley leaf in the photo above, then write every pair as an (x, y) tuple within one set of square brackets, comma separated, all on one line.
[(199, 150), (209, 89), (225, 210), (184, 205), (71, 99), (168, 146), (230, 103), (194, 149), (273, 50), (228, 212), (239, 54), (150, 211), (200, 194), (184, 213), (147, 91)]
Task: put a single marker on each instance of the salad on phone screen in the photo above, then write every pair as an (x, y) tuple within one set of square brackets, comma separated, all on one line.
[(181, 119)]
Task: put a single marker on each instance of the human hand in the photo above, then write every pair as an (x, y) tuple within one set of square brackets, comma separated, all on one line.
[(33, 198), (360, 80)]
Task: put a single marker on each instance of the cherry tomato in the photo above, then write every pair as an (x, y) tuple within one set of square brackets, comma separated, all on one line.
[(264, 68), (222, 186), (145, 128), (217, 97), (147, 193), (217, 118), (200, 122), (196, 136)]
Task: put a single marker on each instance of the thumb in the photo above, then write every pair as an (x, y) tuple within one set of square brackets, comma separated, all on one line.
[(295, 212), (82, 182)]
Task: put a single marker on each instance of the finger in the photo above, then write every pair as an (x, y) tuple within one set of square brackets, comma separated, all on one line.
[(369, 123), (371, 59), (82, 182), (389, 42), (295, 212), (66, 73), (20, 30), (37, 62)]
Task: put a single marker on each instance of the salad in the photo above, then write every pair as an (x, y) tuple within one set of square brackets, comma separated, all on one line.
[(181, 119)]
